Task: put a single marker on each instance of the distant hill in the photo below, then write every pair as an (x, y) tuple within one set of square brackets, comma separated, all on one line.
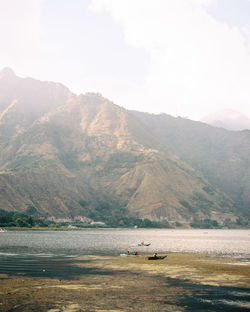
[(228, 119), (69, 156)]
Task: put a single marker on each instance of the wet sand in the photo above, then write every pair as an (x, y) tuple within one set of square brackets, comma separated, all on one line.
[(180, 282)]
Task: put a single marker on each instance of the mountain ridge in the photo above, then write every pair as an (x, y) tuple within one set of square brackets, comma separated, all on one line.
[(86, 156), (228, 119)]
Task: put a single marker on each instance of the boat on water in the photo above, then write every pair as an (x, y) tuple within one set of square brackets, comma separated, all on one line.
[(156, 257), (129, 255), (143, 244), (2, 230)]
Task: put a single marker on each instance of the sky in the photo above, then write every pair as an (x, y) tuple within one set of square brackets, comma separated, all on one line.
[(186, 58)]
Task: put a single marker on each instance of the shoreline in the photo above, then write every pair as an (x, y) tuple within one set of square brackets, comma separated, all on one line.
[(180, 282), (6, 228)]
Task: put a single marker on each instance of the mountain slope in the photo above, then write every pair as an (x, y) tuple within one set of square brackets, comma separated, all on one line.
[(23, 100), (222, 156), (85, 156)]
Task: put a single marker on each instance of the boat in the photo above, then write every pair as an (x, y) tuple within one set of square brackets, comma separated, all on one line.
[(157, 257), (129, 255), (142, 244), (2, 230)]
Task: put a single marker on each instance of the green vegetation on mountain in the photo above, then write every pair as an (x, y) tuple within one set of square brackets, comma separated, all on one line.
[(17, 219)]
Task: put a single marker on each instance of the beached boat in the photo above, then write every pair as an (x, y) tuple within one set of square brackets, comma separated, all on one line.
[(157, 257)]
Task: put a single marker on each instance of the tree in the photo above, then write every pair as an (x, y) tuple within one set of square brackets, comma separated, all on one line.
[(20, 221)]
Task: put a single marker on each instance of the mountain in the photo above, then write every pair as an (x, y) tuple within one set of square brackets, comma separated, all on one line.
[(228, 119), (222, 156), (83, 156)]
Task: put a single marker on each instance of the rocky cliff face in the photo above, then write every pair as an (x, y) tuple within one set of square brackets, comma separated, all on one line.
[(71, 155)]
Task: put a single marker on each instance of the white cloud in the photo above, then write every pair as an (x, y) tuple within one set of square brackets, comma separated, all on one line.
[(198, 64)]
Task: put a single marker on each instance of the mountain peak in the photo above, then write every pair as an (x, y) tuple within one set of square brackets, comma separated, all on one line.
[(7, 72), (228, 119)]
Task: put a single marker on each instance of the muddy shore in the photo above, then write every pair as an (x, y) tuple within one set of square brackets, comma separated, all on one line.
[(180, 282)]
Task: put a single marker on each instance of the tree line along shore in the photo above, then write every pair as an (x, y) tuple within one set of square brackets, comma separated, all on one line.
[(16, 220)]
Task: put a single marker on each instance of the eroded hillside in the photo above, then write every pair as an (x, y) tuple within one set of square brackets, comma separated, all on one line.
[(71, 155)]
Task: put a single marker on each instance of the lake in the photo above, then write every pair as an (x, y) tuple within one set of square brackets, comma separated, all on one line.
[(112, 242)]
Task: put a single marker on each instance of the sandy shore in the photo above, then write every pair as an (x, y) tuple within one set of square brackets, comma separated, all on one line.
[(180, 282)]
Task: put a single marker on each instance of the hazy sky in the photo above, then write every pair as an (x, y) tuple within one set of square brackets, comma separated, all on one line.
[(181, 57)]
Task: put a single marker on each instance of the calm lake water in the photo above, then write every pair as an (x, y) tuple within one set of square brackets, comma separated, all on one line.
[(112, 242)]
